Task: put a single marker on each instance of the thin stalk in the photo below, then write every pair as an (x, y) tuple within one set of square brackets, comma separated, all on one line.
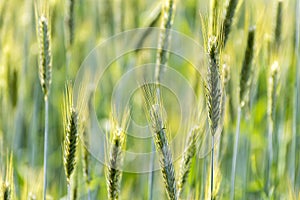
[(235, 149), (151, 174), (69, 192), (270, 157), (89, 193), (212, 168), (296, 94), (46, 147)]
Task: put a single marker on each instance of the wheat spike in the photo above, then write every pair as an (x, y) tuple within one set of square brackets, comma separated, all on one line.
[(164, 38), (214, 85), (154, 111), (70, 22), (278, 26), (227, 21), (114, 173), (45, 67), (71, 133), (246, 68), (189, 153)]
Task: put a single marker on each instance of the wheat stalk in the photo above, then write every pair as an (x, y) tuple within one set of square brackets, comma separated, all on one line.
[(154, 111), (213, 92), (71, 135), (45, 64), (45, 71), (296, 118), (245, 78), (272, 93)]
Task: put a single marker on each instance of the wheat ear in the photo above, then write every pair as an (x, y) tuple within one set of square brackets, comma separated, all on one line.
[(278, 26), (114, 173), (189, 153), (45, 64), (213, 93), (45, 69), (154, 111), (165, 36), (71, 135), (227, 21), (70, 22)]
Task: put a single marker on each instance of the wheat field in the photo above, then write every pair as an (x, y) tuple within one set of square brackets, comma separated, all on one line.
[(164, 99)]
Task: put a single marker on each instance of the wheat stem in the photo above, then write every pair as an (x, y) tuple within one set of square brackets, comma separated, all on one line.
[(296, 96), (272, 88), (46, 147), (151, 174), (213, 92), (68, 191), (212, 168), (235, 150)]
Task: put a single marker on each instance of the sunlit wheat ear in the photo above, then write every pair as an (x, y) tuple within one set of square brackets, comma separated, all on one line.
[(168, 10), (214, 17), (272, 90), (213, 85), (71, 133), (189, 153), (245, 77), (70, 22), (45, 58), (227, 21), (154, 110), (6, 191), (115, 162)]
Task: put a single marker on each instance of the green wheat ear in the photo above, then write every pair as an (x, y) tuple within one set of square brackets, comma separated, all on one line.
[(115, 162), (70, 22), (168, 11), (189, 153), (154, 111), (71, 133), (278, 26), (246, 68), (45, 58), (214, 85), (227, 21)]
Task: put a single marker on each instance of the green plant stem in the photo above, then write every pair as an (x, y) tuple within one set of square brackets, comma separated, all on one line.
[(235, 149), (69, 192), (46, 147), (89, 193), (151, 174), (270, 157), (212, 168), (296, 96)]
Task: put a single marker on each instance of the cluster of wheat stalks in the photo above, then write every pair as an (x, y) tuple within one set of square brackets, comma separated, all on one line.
[(233, 92)]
